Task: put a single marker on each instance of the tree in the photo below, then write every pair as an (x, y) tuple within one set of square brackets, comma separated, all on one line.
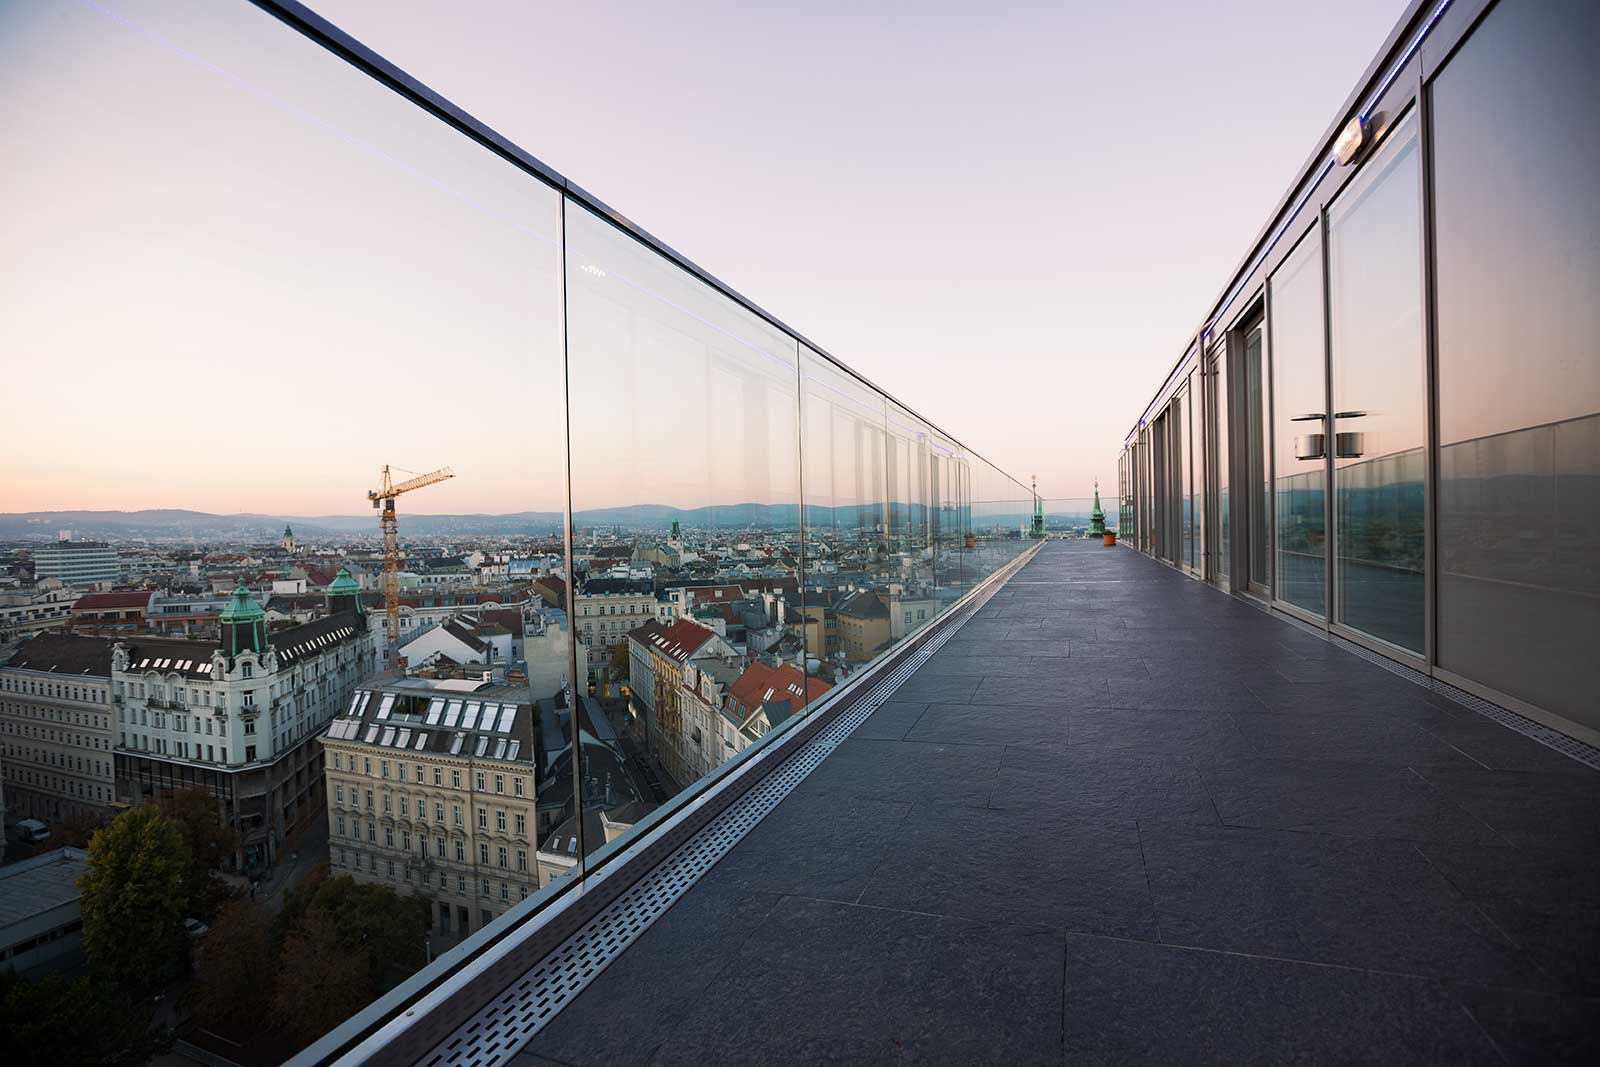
[(346, 943), (132, 898), (56, 1021), (211, 841), (233, 971), (321, 980)]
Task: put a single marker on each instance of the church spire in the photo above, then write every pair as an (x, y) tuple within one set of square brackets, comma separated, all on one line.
[(1097, 517)]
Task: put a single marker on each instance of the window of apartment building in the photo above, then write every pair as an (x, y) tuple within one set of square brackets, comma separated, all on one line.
[(438, 812), (338, 793), (405, 840), (516, 787), (438, 847), (522, 825), (366, 762), (455, 814), (418, 770), (209, 754), (369, 800), (480, 782), (461, 885), (338, 824), (524, 891), (384, 767), (391, 868), (500, 820), (249, 753), (504, 856), (483, 891), (388, 804), (461, 851), (405, 806), (438, 776), (483, 818), (249, 698), (372, 832), (455, 779), (336, 761), (522, 859), (483, 854), (388, 837), (499, 783)]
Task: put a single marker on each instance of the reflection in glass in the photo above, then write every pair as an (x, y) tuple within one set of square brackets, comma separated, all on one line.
[(685, 460), (1378, 429), (1186, 402), (1299, 386), (1260, 490), (1518, 254), (1224, 520)]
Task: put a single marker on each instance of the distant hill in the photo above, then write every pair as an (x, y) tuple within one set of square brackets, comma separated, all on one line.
[(200, 526)]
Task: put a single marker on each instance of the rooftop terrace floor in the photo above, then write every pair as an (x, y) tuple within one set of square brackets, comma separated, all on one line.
[(1123, 816)]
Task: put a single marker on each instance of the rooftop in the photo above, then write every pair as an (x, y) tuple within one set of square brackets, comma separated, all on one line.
[(36, 885), (1121, 815)]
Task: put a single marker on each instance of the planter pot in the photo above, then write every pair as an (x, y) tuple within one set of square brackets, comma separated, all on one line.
[(1111, 538)]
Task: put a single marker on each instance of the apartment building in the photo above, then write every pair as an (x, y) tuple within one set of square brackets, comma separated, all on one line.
[(606, 609), (55, 728), (234, 716), (432, 787), (76, 562)]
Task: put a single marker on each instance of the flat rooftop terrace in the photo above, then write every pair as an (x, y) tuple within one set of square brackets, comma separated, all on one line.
[(1123, 816)]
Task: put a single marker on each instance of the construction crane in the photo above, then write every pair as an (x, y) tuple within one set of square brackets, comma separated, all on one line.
[(384, 498)]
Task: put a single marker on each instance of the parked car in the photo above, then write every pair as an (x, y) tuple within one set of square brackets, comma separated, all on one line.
[(32, 830)]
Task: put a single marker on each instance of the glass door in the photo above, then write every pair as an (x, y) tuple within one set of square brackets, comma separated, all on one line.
[(1258, 507), (1378, 432), (1219, 520), (1299, 412)]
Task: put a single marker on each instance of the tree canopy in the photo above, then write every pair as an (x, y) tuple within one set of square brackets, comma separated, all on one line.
[(133, 898), (58, 1021), (211, 841)]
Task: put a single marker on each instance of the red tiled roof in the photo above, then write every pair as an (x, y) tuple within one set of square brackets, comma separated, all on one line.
[(761, 683), (104, 601), (681, 640)]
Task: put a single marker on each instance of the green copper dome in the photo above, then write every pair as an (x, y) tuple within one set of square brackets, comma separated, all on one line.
[(242, 607), (343, 585)]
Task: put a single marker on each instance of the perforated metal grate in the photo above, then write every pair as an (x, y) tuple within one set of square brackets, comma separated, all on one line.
[(507, 1023)]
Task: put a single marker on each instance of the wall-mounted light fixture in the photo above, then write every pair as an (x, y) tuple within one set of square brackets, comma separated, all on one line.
[(1351, 138)]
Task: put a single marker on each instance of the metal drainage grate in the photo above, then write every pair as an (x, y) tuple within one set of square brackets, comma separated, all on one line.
[(1571, 747), (1584, 753), (507, 1023)]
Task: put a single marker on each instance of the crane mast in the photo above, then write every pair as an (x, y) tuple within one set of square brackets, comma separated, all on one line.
[(384, 499)]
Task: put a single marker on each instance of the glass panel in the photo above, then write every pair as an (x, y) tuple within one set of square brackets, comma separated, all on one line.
[(849, 562), (1379, 424), (1197, 400), (288, 276), (1187, 521), (1224, 434), (685, 461), (1260, 491), (1300, 390), (1518, 252)]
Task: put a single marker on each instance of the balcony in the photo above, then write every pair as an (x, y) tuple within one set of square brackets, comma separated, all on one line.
[(1120, 815)]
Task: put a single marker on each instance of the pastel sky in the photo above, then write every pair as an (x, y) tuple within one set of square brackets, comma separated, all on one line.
[(234, 277)]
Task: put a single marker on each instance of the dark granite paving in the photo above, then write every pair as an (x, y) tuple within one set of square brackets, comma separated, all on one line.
[(1122, 817)]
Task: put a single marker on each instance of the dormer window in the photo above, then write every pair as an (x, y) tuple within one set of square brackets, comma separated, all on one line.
[(249, 670)]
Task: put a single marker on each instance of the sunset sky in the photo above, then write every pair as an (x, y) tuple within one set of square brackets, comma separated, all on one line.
[(235, 275)]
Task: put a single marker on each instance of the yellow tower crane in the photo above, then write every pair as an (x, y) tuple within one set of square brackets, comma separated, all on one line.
[(384, 498)]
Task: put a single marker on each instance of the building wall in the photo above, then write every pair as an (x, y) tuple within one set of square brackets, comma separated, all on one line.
[(76, 563), (439, 827), (56, 735)]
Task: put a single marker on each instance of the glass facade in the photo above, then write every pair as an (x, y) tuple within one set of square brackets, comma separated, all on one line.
[(1300, 408), (1505, 281), (1517, 238), (1378, 427)]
